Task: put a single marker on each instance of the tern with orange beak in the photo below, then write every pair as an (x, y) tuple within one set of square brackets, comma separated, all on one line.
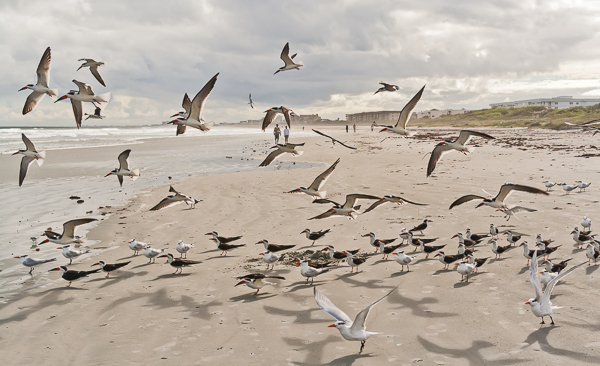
[(84, 94), (69, 253), (32, 262)]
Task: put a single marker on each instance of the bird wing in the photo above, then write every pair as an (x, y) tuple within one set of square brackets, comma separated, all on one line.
[(322, 134), (324, 215), (69, 226), (123, 159), (98, 111), (200, 99), (545, 300), (285, 54), (94, 71), (186, 104), (412, 203), (173, 190), (286, 114), (271, 157), (28, 143), (164, 203), (43, 69), (180, 129), (77, 106), (83, 88), (516, 209), (269, 117), (464, 199), (352, 198), (344, 145), (322, 178), (25, 163), (295, 145), (328, 307), (508, 188), (438, 151), (534, 279), (592, 122), (408, 108), (465, 136), (385, 84), (375, 205), (120, 178), (31, 101), (361, 318)]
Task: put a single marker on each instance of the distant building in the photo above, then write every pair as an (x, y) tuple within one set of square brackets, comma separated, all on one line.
[(435, 113), (554, 103), (307, 118), (377, 117)]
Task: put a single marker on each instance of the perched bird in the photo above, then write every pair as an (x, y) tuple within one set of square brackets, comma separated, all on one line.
[(175, 199), (353, 262), (107, 267), (282, 149), (308, 271), (478, 262), (586, 223), (546, 276), (152, 253), (257, 281), (511, 211), (556, 268), (178, 263), (581, 238), (123, 169), (404, 260), (97, 114), (465, 269), (582, 185), (41, 88), (527, 253), (350, 330), (68, 234), (338, 256), (540, 304), (377, 242), (289, 64), (183, 248), (136, 246), (71, 275), (333, 140), (32, 262), (422, 226), (592, 252), (387, 88), (69, 253), (274, 247), (567, 188), (497, 249), (226, 247), (84, 94), (446, 260), (386, 251), (475, 237), (446, 147), (498, 202), (314, 235), (405, 114), (93, 65), (314, 190), (193, 110), (394, 199), (30, 154), (272, 113), (348, 209), (270, 258), (224, 239), (511, 238), (251, 102), (548, 185), (429, 249)]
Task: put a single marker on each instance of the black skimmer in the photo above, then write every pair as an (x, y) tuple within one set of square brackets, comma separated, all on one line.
[(377, 242), (289, 64), (314, 190), (193, 110), (152, 253), (465, 269), (478, 262), (387, 88), (422, 226), (348, 209), (69, 253), (511, 238), (136, 246), (97, 114), (71, 275), (475, 237), (466, 241), (417, 242), (351, 330), (226, 247), (446, 147), (581, 238), (32, 262), (41, 88), (394, 199), (108, 267), (186, 104), (272, 113), (404, 260), (586, 223), (183, 248), (463, 251), (308, 271), (315, 235), (540, 304), (497, 249), (337, 256), (333, 140), (353, 262), (429, 249), (547, 250), (257, 281), (400, 126), (68, 234), (282, 149), (548, 185), (386, 251), (567, 188), (556, 268), (592, 252), (494, 231), (546, 276), (93, 65), (224, 239), (447, 259), (123, 169), (175, 199), (178, 263), (510, 211), (582, 185), (274, 247), (527, 253), (30, 154), (251, 102), (85, 94), (498, 202), (270, 258)]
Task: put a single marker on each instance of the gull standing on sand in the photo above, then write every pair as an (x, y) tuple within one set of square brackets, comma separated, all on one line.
[(30, 154), (123, 169), (465, 269), (85, 94), (41, 88), (350, 330), (175, 199), (71, 275), (68, 234), (446, 147), (93, 65), (193, 109), (136, 246), (32, 262), (586, 223), (333, 141), (387, 88), (314, 189), (347, 209), (272, 113), (289, 64), (256, 281), (282, 149), (400, 126), (69, 253), (183, 248), (498, 202)]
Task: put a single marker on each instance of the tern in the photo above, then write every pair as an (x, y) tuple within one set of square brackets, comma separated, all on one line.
[(353, 262), (511, 238), (30, 154), (350, 330), (69, 253), (546, 276), (510, 211), (71, 275), (315, 235), (108, 267), (405, 114), (152, 253), (272, 113), (84, 94), (447, 259), (475, 237), (404, 260), (333, 140), (567, 188), (68, 234), (274, 247), (256, 281), (226, 247), (581, 238), (314, 190), (387, 88), (540, 304), (224, 239), (193, 109), (582, 185), (494, 231), (93, 65), (417, 242), (548, 185), (308, 271), (393, 199), (282, 149), (270, 258), (178, 263), (175, 199), (136, 246), (465, 269), (123, 169), (183, 248), (97, 114), (498, 202), (347, 209), (446, 147), (289, 64), (251, 102), (32, 262), (41, 88), (466, 241), (527, 253), (429, 248)]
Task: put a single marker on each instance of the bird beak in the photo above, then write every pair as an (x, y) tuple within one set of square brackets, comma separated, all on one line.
[(23, 88), (479, 205), (61, 98), (58, 247), (17, 257), (16, 153), (239, 283), (108, 174), (456, 264), (541, 272), (455, 235), (528, 303), (261, 253), (45, 241), (162, 256), (331, 326), (95, 264), (54, 269), (394, 253)]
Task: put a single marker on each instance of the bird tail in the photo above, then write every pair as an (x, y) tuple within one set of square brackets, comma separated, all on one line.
[(53, 93), (299, 64), (50, 260), (197, 201), (298, 153), (470, 149), (103, 98), (42, 157), (322, 194), (135, 174)]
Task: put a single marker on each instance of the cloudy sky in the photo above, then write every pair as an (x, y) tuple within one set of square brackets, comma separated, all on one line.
[(469, 53)]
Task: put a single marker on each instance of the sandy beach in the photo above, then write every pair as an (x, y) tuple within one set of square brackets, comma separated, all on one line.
[(146, 315)]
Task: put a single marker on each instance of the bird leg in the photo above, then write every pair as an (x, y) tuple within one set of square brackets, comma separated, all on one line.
[(407, 268), (256, 292), (551, 319), (70, 261), (69, 285), (31, 270), (543, 322), (107, 274), (362, 346)]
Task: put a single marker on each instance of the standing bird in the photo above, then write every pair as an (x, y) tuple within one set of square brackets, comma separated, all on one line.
[(289, 64), (178, 263), (475, 237), (546, 276), (445, 147), (497, 249), (511, 238), (270, 258), (465, 269), (527, 253), (586, 223), (582, 185), (152, 253), (272, 113), (350, 330), (315, 235), (429, 248), (69, 253), (540, 304), (377, 242), (333, 141), (251, 102), (337, 256), (175, 199), (226, 247), (274, 247), (107, 267), (256, 281), (224, 239), (387, 88), (353, 262), (71, 275), (404, 260), (93, 65), (183, 248), (282, 149), (447, 259), (308, 271), (556, 268), (32, 262), (400, 126), (567, 188), (84, 94), (68, 234), (193, 110), (29, 155), (581, 238), (498, 202), (41, 88), (348, 209), (422, 226), (548, 185), (123, 169), (478, 262), (494, 231), (417, 242), (314, 189), (386, 251), (592, 252), (136, 246)]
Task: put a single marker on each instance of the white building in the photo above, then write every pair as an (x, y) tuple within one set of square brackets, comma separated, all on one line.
[(554, 103), (435, 113)]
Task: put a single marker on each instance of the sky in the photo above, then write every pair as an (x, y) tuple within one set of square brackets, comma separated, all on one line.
[(469, 53)]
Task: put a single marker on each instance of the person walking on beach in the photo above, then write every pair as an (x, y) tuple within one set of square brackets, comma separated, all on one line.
[(354, 126), (276, 132), (286, 134), (346, 128), (372, 125)]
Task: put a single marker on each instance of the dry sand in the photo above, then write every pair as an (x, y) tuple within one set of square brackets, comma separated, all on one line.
[(144, 314)]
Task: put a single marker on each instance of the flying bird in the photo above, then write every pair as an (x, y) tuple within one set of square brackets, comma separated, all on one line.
[(446, 147), (498, 202), (97, 114), (272, 113), (175, 199), (282, 149), (68, 234), (347, 209), (400, 126), (314, 189), (30, 155), (289, 64), (93, 65), (123, 169), (333, 140), (84, 94), (387, 88), (394, 199), (41, 88), (251, 102), (193, 110)]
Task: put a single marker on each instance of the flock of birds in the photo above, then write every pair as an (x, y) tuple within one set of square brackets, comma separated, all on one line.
[(354, 330)]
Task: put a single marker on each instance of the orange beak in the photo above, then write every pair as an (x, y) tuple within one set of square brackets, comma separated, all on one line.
[(261, 253), (59, 248), (331, 326), (528, 303)]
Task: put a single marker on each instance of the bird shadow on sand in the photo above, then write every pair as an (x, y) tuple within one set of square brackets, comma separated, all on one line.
[(591, 269), (143, 265), (398, 274), (251, 297), (129, 257), (313, 350), (300, 285), (498, 259), (302, 316), (472, 354), (541, 337), (48, 298), (124, 275), (170, 275), (221, 256), (440, 271), (348, 360), (418, 307), (348, 278), (577, 250), (210, 251)]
